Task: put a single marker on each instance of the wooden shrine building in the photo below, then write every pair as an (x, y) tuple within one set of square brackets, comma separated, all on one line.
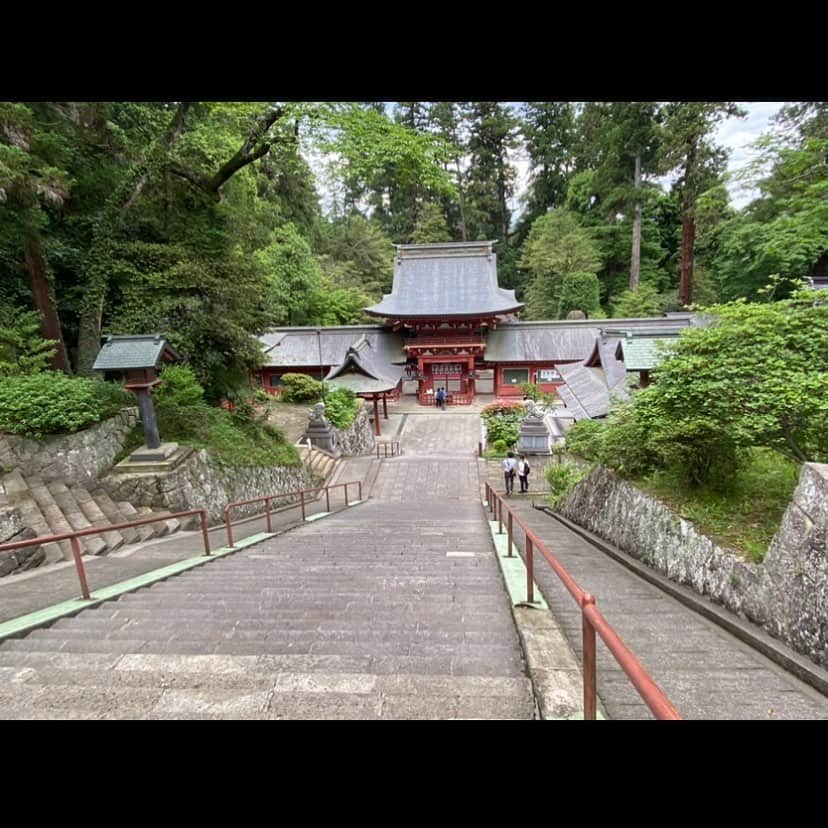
[(447, 323)]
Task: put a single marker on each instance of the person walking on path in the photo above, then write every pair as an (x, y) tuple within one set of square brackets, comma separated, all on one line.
[(523, 474), (509, 466)]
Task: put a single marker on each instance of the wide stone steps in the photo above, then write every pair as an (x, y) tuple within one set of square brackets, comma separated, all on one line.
[(356, 616), (52, 508)]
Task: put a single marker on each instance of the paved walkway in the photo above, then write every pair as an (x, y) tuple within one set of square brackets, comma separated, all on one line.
[(393, 609), (706, 672)]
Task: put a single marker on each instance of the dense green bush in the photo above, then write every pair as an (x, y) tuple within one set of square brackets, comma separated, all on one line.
[(503, 421), (53, 403), (500, 446), (301, 388), (341, 406), (179, 386), (228, 436), (22, 349), (585, 439), (561, 478)]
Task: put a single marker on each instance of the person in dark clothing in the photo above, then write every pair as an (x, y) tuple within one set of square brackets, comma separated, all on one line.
[(523, 474)]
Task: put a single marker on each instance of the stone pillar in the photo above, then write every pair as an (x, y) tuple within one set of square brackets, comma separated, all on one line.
[(151, 437)]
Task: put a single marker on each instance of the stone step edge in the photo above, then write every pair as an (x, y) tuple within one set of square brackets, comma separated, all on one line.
[(558, 687), (23, 624)]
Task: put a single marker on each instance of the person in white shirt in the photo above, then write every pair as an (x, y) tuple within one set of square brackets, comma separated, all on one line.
[(509, 468)]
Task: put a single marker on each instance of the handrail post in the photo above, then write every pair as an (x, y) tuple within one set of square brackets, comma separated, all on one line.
[(228, 525), (588, 632), (530, 570), (509, 532), (346, 493), (202, 513), (359, 490), (327, 498), (499, 517), (267, 510), (76, 554), (302, 502)]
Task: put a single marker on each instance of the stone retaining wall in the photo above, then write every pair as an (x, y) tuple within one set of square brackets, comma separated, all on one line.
[(359, 437), (787, 595), (201, 482), (72, 458)]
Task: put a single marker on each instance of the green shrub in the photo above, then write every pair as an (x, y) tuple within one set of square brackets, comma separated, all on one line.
[(179, 386), (561, 478), (301, 388), (500, 446), (585, 439), (53, 403), (22, 349), (341, 407), (503, 421), (228, 436), (531, 390)]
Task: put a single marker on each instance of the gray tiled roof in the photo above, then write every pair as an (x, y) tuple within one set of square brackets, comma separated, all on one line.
[(122, 352), (539, 342), (365, 369), (445, 280), (585, 391), (300, 347)]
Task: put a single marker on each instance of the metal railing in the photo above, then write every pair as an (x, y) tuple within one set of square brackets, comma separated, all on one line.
[(302, 503), (592, 621), (72, 537), (389, 449)]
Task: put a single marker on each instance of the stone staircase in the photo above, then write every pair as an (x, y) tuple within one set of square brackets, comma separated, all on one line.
[(360, 616), (320, 464), (52, 508)]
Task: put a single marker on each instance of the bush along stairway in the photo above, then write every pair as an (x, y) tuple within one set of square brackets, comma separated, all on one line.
[(51, 508)]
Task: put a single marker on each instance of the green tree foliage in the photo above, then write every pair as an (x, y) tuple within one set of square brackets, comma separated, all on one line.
[(22, 349), (556, 246), (431, 226), (548, 128), (341, 406), (756, 376), (637, 303), (490, 177), (357, 255), (688, 149), (179, 387), (785, 231), (580, 291), (301, 388)]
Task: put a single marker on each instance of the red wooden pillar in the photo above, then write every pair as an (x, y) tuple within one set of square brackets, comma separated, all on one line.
[(376, 416), (384, 406)]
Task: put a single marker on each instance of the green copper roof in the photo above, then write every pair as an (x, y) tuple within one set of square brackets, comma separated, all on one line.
[(121, 352), (640, 354)]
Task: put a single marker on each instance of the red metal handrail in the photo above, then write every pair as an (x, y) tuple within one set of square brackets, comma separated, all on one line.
[(592, 620), (72, 537), (394, 447), (267, 498)]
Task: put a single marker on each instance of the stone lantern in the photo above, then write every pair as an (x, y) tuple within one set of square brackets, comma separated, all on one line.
[(139, 358)]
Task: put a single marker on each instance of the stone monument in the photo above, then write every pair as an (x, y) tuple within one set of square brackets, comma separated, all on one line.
[(320, 431), (533, 437)]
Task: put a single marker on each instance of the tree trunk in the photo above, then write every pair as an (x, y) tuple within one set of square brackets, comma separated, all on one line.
[(635, 260), (89, 334), (688, 239), (462, 202), (44, 301)]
